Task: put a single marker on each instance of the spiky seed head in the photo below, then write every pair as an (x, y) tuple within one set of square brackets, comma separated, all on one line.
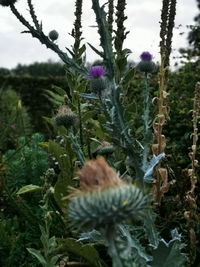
[(65, 117), (53, 35), (112, 205), (104, 198), (7, 2)]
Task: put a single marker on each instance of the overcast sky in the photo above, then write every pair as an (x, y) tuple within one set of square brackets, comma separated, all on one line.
[(143, 24)]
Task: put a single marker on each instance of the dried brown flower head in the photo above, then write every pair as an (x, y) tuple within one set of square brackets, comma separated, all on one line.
[(97, 174)]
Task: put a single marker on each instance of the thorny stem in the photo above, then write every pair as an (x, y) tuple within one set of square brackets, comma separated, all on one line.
[(130, 143), (146, 111), (77, 149), (33, 15), (80, 123), (49, 44), (110, 235)]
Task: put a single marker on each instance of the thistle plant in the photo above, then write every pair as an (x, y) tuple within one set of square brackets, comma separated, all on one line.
[(104, 202), (120, 211), (147, 66)]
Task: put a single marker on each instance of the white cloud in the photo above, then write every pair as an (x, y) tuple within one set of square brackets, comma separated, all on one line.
[(143, 23)]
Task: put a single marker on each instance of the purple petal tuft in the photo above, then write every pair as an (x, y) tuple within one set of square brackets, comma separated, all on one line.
[(97, 71), (146, 56)]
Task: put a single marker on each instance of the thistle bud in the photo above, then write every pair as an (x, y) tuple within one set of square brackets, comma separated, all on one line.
[(53, 35), (105, 149), (65, 117), (97, 79), (7, 2)]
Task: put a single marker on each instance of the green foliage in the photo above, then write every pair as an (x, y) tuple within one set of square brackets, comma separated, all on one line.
[(169, 254), (49, 245), (46, 69), (32, 93), (14, 120), (26, 164), (85, 251), (29, 188), (63, 155)]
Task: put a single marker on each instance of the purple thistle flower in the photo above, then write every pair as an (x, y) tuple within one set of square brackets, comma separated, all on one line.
[(146, 56), (96, 71)]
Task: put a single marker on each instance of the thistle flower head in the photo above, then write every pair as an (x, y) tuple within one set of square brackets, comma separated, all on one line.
[(146, 64), (146, 56), (7, 2), (104, 198), (97, 174), (96, 72)]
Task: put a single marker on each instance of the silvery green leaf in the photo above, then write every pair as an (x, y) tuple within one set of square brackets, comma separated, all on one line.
[(148, 176), (92, 236), (89, 96)]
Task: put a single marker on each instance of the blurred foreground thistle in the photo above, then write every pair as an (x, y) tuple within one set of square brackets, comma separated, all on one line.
[(103, 203)]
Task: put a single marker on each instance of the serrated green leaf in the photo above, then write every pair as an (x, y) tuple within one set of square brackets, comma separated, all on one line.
[(150, 229), (64, 157), (55, 98), (82, 50), (29, 189), (96, 50), (38, 255), (168, 254), (129, 76), (59, 90), (53, 260), (88, 252)]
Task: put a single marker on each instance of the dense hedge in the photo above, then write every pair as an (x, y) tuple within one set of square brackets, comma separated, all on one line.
[(32, 92), (181, 88)]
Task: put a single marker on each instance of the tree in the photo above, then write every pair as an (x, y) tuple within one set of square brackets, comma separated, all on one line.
[(193, 38)]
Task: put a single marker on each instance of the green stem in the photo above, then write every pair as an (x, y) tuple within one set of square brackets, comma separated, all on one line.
[(80, 123), (131, 145), (76, 147), (146, 112), (48, 43), (112, 249)]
